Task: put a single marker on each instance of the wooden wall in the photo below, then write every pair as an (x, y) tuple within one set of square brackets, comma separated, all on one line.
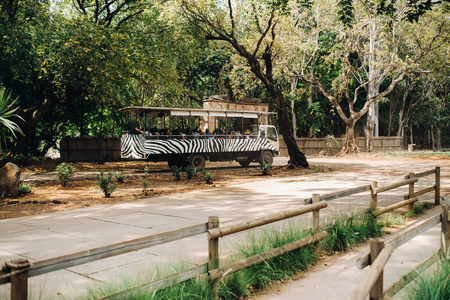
[(312, 146), (90, 149)]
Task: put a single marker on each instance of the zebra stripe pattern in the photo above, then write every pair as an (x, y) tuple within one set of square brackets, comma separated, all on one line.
[(136, 146)]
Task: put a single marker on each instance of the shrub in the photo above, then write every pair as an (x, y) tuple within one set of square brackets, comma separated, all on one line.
[(106, 184), (207, 176), (264, 168), (191, 172), (145, 185), (120, 177), (65, 172), (24, 189), (176, 171)]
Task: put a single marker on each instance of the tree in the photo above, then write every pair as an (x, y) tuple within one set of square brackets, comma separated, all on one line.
[(361, 74), (251, 29)]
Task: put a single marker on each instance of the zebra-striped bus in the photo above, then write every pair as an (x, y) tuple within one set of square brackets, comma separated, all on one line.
[(189, 137)]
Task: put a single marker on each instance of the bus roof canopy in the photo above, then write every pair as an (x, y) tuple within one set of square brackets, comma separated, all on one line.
[(194, 112)]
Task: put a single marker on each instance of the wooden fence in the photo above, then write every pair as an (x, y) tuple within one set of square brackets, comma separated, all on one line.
[(380, 251), (90, 149), (312, 146), (17, 271)]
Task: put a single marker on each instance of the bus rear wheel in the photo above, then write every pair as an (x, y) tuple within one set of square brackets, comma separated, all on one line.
[(266, 158), (197, 161)]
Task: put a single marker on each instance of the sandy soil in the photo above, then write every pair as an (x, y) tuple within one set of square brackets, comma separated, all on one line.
[(47, 195)]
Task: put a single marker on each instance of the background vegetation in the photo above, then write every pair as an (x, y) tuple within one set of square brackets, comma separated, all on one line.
[(72, 64)]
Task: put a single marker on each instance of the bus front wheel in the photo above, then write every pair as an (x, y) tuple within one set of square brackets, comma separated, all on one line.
[(197, 161)]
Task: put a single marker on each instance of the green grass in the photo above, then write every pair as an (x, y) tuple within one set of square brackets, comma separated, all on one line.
[(344, 233), (418, 210), (350, 231), (24, 189), (433, 285)]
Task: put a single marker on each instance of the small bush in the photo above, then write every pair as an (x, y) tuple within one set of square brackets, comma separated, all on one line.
[(264, 168), (176, 171), (65, 173), (24, 189), (207, 176), (120, 177), (191, 172), (106, 184), (145, 185)]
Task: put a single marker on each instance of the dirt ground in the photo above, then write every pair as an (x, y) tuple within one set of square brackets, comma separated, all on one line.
[(47, 195)]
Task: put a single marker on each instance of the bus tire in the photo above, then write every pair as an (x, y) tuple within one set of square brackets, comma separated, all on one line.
[(197, 161), (266, 157), (244, 163)]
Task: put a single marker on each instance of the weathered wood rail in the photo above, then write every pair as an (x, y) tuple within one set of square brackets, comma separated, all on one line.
[(17, 271), (372, 282)]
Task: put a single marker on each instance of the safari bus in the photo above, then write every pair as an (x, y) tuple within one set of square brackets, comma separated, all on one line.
[(189, 137)]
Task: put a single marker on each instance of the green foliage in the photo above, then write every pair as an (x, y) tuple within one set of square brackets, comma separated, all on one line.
[(145, 185), (64, 173), (418, 210), (106, 184), (265, 168), (433, 285), (120, 177), (207, 176), (391, 220), (24, 189), (147, 170), (350, 231), (257, 277), (191, 172), (176, 172), (7, 112)]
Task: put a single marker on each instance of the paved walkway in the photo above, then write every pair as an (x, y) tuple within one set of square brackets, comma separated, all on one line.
[(51, 235)]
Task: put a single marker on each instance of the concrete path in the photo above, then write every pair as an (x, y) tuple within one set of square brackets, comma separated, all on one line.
[(51, 235)]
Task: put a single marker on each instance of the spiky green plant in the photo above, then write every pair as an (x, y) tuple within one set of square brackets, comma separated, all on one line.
[(120, 177), (64, 173), (6, 113), (265, 168), (207, 176), (24, 189), (191, 172), (106, 184), (176, 171)]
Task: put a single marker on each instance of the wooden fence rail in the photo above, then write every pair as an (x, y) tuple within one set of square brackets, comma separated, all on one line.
[(372, 282), (18, 271)]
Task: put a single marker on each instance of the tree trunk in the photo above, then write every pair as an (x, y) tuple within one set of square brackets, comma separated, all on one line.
[(296, 157), (349, 146), (31, 117)]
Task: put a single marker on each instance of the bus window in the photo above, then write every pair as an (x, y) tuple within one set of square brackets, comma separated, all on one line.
[(262, 133), (272, 134)]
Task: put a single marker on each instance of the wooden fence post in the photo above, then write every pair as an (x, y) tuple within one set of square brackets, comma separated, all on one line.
[(373, 196), (411, 192), (445, 227), (19, 278), (376, 245), (316, 221), (437, 191), (213, 256)]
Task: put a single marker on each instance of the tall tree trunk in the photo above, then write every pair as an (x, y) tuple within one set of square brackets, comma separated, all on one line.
[(349, 145), (373, 90), (294, 81)]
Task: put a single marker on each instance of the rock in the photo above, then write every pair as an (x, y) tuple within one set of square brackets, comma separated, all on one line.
[(323, 153), (10, 175)]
